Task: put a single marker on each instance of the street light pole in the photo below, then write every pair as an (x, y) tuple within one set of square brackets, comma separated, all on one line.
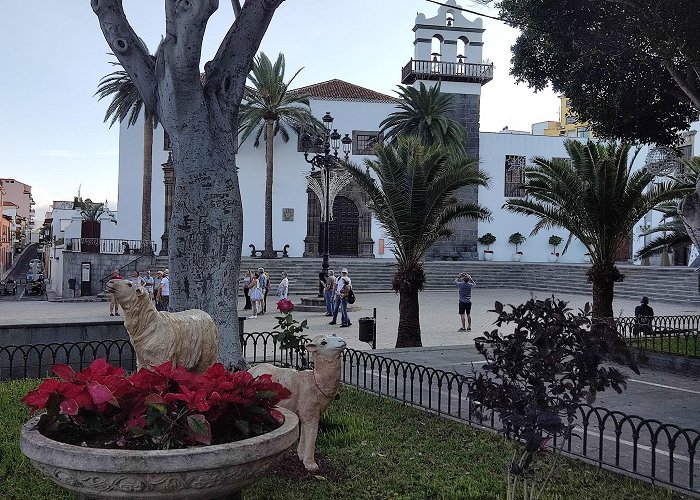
[(329, 141)]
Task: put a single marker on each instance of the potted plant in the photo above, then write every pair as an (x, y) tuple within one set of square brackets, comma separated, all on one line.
[(160, 433), (517, 239), (488, 239), (555, 241)]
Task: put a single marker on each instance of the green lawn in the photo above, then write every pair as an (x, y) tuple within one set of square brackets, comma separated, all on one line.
[(679, 345), (370, 448)]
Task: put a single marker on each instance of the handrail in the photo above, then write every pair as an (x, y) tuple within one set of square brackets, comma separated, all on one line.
[(110, 246), (478, 72)]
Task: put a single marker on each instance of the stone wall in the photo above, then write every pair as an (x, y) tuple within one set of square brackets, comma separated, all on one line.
[(102, 266), (466, 110)]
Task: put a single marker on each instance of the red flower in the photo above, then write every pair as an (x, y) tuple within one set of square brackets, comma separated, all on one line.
[(285, 306)]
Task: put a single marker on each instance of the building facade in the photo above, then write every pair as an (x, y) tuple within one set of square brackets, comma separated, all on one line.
[(448, 51), (20, 196)]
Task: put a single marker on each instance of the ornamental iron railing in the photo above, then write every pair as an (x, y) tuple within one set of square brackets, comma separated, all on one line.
[(645, 448), (447, 71), (110, 246), (678, 335)]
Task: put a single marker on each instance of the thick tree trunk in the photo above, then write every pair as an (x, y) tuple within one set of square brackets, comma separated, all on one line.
[(689, 210), (147, 178), (409, 319), (603, 277), (206, 232), (269, 170)]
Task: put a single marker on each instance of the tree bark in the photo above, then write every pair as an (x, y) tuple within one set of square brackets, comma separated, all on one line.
[(409, 319), (689, 210), (206, 230), (147, 179), (603, 277), (268, 253)]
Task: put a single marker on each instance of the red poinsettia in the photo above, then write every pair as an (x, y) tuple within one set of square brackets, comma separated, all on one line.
[(160, 408)]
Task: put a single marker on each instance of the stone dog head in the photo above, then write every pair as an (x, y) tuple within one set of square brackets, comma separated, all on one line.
[(126, 293), (328, 346)]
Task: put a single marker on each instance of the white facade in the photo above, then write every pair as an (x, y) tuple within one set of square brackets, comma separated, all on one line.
[(289, 185)]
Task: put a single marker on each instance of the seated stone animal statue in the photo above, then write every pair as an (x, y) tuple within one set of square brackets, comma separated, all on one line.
[(189, 338), (312, 390)]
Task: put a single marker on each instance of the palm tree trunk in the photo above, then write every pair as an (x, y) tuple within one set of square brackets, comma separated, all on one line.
[(409, 319), (603, 277), (268, 253), (147, 179)]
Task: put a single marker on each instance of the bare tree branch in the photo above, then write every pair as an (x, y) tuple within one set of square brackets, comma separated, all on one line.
[(128, 48), (226, 74), (682, 83), (236, 7), (185, 24)]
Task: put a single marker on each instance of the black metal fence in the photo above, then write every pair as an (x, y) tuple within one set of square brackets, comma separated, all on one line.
[(677, 335), (657, 452)]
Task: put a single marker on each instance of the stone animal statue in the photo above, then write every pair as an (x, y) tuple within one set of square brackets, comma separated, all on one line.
[(189, 338), (312, 390)]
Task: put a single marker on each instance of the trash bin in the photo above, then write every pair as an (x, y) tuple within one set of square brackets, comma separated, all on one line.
[(366, 329)]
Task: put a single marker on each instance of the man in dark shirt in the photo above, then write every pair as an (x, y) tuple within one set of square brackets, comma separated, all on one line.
[(644, 315), (464, 284)]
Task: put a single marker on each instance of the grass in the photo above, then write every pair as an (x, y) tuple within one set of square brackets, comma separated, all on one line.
[(682, 346), (369, 448)]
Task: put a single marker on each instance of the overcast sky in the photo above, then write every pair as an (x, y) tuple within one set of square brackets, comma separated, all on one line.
[(52, 134)]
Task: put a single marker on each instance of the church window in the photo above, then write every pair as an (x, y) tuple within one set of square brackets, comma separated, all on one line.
[(515, 176), (363, 142)]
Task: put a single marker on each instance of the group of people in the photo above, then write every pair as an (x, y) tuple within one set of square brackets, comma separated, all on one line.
[(336, 291), (256, 286), (158, 287)]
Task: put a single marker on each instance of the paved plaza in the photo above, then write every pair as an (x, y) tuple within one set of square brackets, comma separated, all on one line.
[(439, 318)]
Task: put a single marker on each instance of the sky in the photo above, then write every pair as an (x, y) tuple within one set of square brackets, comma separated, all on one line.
[(53, 55)]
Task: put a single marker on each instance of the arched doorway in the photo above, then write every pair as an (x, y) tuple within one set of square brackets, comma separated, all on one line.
[(343, 230)]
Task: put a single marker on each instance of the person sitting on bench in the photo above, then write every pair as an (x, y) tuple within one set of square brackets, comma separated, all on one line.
[(644, 315)]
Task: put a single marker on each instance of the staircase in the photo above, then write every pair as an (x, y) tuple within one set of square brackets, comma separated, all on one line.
[(678, 285)]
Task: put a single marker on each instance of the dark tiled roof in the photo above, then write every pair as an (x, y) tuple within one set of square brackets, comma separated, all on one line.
[(339, 90)]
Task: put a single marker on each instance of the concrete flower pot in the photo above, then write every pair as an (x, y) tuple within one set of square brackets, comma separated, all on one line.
[(553, 258), (516, 257), (488, 255), (201, 472)]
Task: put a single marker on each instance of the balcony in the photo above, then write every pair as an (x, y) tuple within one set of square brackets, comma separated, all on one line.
[(446, 72), (110, 246)]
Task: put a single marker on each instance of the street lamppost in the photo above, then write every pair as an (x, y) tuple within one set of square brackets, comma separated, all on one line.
[(325, 161)]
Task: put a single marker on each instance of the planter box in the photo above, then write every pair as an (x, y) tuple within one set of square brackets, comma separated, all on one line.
[(200, 472), (553, 258), (488, 255), (516, 257)]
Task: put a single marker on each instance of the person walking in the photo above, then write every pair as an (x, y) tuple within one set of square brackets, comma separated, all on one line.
[(246, 291), (283, 287), (464, 284), (156, 288), (113, 304), (149, 282), (165, 291), (342, 289), (329, 291), (255, 295), (263, 281)]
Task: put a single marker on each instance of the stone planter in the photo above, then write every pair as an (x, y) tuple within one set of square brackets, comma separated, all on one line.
[(553, 258), (488, 255), (516, 257), (201, 472)]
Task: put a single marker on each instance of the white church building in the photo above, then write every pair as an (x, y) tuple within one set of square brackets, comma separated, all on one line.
[(448, 49)]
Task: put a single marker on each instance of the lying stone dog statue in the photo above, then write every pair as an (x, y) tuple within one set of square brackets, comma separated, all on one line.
[(188, 338), (312, 390)]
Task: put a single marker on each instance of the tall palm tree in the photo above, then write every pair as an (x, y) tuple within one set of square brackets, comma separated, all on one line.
[(414, 201), (127, 102), (425, 112), (597, 197), (268, 109)]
